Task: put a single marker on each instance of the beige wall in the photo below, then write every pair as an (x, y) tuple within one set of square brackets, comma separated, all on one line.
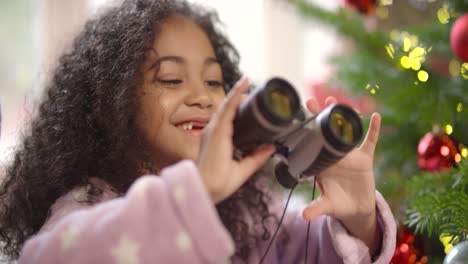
[(272, 39), (53, 24), (59, 22)]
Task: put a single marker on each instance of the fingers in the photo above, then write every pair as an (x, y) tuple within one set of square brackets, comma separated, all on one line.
[(233, 100), (330, 100), (255, 160), (244, 97), (316, 208), (313, 105), (372, 135)]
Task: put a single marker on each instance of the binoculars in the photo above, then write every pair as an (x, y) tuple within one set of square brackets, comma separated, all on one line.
[(306, 144)]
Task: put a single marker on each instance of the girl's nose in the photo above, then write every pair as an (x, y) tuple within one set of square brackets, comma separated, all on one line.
[(199, 96)]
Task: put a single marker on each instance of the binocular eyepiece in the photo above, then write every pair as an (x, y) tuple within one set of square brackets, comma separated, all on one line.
[(305, 144)]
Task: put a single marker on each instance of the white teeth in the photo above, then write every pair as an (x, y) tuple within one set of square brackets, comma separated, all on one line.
[(187, 126)]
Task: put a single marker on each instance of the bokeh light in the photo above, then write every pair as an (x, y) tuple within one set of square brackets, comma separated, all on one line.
[(423, 76), (448, 129)]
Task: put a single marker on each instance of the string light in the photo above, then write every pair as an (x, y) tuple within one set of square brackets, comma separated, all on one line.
[(405, 62), (417, 52), (414, 40), (394, 35), (423, 76), (382, 12), (448, 129), (416, 56), (443, 14), (372, 89), (464, 152), (390, 50), (459, 107), (415, 65), (464, 70), (447, 241), (454, 67), (386, 2), (406, 44)]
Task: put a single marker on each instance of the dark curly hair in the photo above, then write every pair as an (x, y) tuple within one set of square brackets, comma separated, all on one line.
[(85, 126)]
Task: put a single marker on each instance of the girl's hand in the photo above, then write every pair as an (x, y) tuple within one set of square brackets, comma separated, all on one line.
[(221, 174), (347, 189)]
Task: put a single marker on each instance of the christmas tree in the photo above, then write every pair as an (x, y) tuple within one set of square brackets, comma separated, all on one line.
[(418, 74)]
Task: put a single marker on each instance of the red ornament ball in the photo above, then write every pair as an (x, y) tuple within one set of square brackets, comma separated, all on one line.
[(409, 248), (437, 152), (363, 6), (459, 38)]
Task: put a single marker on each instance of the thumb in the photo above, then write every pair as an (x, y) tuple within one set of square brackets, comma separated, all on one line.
[(315, 209)]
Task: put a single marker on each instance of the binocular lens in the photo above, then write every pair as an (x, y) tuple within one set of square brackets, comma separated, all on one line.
[(267, 111), (342, 127), (279, 103)]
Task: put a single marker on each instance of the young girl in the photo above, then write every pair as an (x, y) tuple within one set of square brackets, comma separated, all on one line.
[(145, 90)]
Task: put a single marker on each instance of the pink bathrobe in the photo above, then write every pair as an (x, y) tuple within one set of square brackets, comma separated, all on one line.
[(171, 219)]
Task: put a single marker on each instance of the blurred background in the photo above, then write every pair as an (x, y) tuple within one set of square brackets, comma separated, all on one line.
[(407, 59), (270, 36)]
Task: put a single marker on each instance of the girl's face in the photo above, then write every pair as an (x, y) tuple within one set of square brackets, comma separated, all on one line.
[(183, 87)]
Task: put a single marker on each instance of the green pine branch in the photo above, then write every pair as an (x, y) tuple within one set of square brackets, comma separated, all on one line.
[(438, 203), (346, 22), (459, 6), (410, 108)]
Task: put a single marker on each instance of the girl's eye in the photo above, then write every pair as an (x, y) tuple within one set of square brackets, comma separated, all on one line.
[(214, 83), (169, 82)]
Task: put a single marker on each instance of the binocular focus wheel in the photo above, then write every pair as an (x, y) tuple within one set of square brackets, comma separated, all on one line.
[(284, 177)]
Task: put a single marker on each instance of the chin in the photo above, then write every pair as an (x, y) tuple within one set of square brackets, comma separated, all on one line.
[(191, 154)]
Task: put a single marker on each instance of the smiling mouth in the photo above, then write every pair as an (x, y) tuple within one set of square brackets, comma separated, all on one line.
[(192, 128)]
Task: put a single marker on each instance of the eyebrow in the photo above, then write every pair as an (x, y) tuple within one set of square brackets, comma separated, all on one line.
[(181, 60)]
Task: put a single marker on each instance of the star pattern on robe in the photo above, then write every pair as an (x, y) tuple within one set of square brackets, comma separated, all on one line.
[(179, 194), (140, 187), (69, 237), (126, 251), (183, 241)]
